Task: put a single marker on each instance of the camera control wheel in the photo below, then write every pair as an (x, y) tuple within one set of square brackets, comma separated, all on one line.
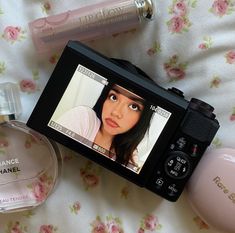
[(177, 165)]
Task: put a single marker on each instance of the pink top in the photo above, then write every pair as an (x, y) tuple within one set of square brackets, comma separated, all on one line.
[(81, 120)]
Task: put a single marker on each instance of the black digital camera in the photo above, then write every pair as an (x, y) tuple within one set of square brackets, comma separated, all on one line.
[(109, 111)]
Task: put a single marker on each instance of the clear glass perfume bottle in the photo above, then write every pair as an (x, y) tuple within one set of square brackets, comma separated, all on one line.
[(29, 162)]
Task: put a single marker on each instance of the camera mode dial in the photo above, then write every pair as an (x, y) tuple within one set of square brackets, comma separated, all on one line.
[(202, 107)]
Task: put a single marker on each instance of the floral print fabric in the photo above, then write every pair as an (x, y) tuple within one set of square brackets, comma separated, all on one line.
[(190, 45)]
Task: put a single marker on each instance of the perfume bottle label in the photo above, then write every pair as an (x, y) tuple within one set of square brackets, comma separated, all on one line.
[(9, 170), (9, 162), (14, 199)]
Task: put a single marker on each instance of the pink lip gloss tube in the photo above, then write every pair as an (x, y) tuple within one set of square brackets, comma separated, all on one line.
[(89, 23)]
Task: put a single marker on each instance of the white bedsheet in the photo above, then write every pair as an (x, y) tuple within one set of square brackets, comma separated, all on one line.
[(189, 45)]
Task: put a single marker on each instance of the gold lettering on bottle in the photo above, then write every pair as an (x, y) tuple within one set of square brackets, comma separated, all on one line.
[(220, 184), (104, 17), (232, 197)]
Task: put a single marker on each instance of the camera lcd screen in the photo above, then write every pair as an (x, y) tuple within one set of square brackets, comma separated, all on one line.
[(109, 118)]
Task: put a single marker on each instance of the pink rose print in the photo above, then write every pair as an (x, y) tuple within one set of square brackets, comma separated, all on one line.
[(222, 7), (44, 178), (90, 176), (67, 157), (46, 6), (215, 82), (202, 46), (217, 142), (111, 225), (179, 8), (154, 49), (174, 69), (27, 85), (176, 24), (47, 229), (206, 44), (41, 188), (16, 227), (114, 225), (54, 58), (30, 85), (141, 230), (91, 180), (200, 223), (13, 34), (2, 67), (75, 207), (98, 226), (230, 57), (3, 143), (125, 192), (40, 192), (232, 117), (29, 141), (175, 73), (150, 223), (180, 16)]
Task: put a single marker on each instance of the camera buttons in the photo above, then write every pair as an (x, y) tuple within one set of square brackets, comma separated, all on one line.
[(159, 182), (177, 165), (172, 190), (194, 150), (181, 142), (176, 91)]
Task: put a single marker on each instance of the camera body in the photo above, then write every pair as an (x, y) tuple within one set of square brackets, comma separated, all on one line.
[(165, 135)]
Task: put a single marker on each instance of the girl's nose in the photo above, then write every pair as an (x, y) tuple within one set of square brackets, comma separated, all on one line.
[(117, 110)]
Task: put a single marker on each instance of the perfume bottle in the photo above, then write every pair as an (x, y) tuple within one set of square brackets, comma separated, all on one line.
[(89, 23), (30, 163)]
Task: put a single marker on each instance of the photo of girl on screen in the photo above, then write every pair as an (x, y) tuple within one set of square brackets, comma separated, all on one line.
[(108, 118), (116, 124)]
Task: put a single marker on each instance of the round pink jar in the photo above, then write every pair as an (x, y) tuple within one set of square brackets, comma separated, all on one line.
[(211, 189)]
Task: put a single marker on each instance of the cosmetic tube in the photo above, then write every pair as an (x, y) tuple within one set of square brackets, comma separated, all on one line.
[(30, 163), (89, 23)]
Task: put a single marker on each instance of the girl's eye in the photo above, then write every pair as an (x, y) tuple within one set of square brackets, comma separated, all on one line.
[(113, 97), (134, 107)]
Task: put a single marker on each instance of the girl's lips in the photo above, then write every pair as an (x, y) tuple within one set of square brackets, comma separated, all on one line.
[(111, 123)]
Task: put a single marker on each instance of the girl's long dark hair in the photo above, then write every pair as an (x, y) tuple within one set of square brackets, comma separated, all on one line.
[(126, 143)]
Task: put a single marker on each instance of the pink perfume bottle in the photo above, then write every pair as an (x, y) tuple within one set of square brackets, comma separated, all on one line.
[(29, 162), (89, 23)]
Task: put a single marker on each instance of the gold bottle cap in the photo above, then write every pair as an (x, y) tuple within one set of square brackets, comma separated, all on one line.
[(145, 9)]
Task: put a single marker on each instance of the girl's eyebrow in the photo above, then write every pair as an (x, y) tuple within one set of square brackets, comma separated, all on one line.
[(128, 94)]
